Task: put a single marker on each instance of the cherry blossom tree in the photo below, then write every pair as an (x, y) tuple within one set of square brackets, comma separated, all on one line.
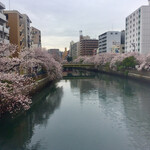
[(113, 59), (15, 85)]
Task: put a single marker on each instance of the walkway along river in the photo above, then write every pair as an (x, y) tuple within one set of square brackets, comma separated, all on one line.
[(90, 112)]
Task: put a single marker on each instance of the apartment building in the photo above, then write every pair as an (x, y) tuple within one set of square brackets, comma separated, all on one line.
[(137, 37), (27, 36), (4, 31), (87, 45), (16, 33), (35, 37), (107, 41)]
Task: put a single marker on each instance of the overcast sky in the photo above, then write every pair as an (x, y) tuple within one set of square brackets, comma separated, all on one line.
[(61, 20)]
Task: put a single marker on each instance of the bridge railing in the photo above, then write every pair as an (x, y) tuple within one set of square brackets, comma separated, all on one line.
[(78, 65)]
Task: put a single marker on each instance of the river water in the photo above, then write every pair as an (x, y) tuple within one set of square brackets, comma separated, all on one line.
[(89, 112)]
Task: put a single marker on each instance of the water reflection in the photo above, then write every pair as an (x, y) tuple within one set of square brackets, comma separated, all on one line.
[(17, 135), (90, 112), (125, 102)]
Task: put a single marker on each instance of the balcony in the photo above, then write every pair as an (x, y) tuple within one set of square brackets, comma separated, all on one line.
[(21, 37), (3, 17), (5, 41), (21, 28), (2, 6), (5, 30), (22, 46)]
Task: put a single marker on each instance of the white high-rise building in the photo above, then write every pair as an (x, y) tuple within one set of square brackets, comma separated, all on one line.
[(137, 37), (4, 31), (107, 40)]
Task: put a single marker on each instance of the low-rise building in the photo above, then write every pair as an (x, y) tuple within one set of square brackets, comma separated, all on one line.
[(4, 30), (35, 38)]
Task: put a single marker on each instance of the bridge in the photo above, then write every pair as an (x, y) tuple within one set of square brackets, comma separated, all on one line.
[(69, 67), (77, 65)]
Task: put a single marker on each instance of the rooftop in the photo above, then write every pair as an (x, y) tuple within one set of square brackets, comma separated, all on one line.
[(12, 12), (2, 6)]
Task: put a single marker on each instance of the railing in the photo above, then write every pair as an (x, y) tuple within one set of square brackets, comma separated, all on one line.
[(21, 37), (2, 5), (4, 29), (21, 27), (77, 65), (3, 17)]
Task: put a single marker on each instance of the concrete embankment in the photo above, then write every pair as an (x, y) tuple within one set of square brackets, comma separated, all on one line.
[(133, 74), (39, 86)]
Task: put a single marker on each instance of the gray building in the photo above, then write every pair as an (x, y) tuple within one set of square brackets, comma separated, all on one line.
[(74, 49), (107, 41), (137, 36), (4, 30), (54, 51), (27, 36)]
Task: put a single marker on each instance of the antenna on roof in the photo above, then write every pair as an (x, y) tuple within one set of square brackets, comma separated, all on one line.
[(81, 36)]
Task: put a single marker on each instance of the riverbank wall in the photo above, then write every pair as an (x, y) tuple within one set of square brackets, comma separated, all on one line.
[(39, 85), (132, 74)]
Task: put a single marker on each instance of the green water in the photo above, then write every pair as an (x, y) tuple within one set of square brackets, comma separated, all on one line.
[(97, 113)]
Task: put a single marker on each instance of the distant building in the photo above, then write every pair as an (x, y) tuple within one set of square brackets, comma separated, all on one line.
[(54, 52), (137, 36), (27, 36), (74, 49), (107, 41), (35, 38), (16, 34), (71, 47), (65, 54), (4, 31), (122, 45), (87, 45)]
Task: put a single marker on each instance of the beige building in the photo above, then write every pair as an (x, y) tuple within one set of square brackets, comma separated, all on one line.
[(16, 33), (65, 54), (26, 23), (4, 31), (35, 38)]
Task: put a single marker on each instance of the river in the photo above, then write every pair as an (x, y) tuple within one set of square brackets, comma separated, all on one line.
[(89, 112)]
